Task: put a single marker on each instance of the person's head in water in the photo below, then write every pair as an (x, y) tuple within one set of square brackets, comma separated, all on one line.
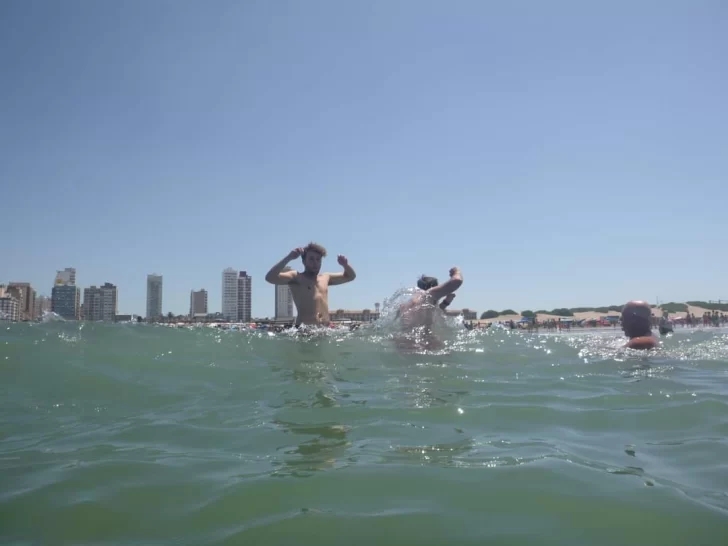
[(425, 283), (637, 319), (312, 255)]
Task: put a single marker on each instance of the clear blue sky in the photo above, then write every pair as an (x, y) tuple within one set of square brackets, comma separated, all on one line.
[(560, 153)]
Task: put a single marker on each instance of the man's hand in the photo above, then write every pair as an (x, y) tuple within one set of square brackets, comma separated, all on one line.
[(293, 254), (347, 275), (276, 275), (454, 271)]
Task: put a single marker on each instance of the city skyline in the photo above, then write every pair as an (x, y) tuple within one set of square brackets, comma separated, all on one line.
[(64, 277)]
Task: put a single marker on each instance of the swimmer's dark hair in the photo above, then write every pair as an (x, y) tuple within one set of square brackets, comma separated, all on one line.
[(425, 283), (313, 247)]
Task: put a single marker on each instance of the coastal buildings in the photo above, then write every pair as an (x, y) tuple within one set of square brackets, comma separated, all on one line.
[(9, 306), (244, 296), (66, 296), (236, 295), (283, 300), (467, 314), (66, 301), (154, 296), (230, 294), (100, 303), (127, 318), (198, 302), (67, 276), (42, 305), (24, 293), (364, 315)]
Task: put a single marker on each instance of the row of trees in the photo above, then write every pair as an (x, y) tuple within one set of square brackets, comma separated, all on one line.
[(564, 312), (491, 314)]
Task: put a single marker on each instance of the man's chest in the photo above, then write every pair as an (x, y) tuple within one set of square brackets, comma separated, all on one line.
[(305, 286)]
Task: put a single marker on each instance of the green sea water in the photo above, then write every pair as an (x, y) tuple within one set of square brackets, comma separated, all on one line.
[(135, 434)]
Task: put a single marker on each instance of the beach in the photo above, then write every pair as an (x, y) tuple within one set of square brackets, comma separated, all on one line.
[(137, 434)]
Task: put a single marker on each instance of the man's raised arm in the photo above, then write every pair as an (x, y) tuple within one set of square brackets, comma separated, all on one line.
[(276, 275), (449, 286), (347, 275)]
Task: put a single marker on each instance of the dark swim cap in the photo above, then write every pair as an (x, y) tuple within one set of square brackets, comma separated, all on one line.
[(425, 283)]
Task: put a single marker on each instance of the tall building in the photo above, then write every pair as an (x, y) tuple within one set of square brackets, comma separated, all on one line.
[(100, 303), (236, 295), (9, 306), (284, 300), (66, 301), (244, 296), (198, 302), (67, 276), (230, 294), (24, 293), (42, 305), (154, 296)]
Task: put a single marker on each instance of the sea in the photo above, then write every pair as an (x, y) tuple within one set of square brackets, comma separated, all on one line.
[(136, 434)]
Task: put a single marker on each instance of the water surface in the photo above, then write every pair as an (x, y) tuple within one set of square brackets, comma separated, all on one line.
[(138, 434)]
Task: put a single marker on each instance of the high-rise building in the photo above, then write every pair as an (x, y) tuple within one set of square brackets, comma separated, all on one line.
[(42, 305), (244, 296), (67, 276), (236, 295), (198, 302), (100, 303), (154, 296), (284, 300), (230, 294), (24, 293), (66, 301), (9, 306)]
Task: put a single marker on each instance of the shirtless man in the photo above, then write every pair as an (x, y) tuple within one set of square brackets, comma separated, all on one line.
[(636, 323), (310, 289), (419, 311)]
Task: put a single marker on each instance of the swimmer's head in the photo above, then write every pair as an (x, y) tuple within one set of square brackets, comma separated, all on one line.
[(425, 283), (637, 319), (312, 255)]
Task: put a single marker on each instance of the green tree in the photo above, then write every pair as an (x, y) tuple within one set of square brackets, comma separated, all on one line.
[(528, 314), (508, 312), (489, 314), (674, 307), (562, 312)]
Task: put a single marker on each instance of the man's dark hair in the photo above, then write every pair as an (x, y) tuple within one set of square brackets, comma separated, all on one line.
[(637, 320), (425, 283), (313, 247)]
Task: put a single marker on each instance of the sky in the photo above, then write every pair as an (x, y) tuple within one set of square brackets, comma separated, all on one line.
[(560, 153)]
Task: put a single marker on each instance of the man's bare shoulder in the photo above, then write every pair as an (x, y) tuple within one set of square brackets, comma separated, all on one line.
[(642, 343), (294, 278)]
